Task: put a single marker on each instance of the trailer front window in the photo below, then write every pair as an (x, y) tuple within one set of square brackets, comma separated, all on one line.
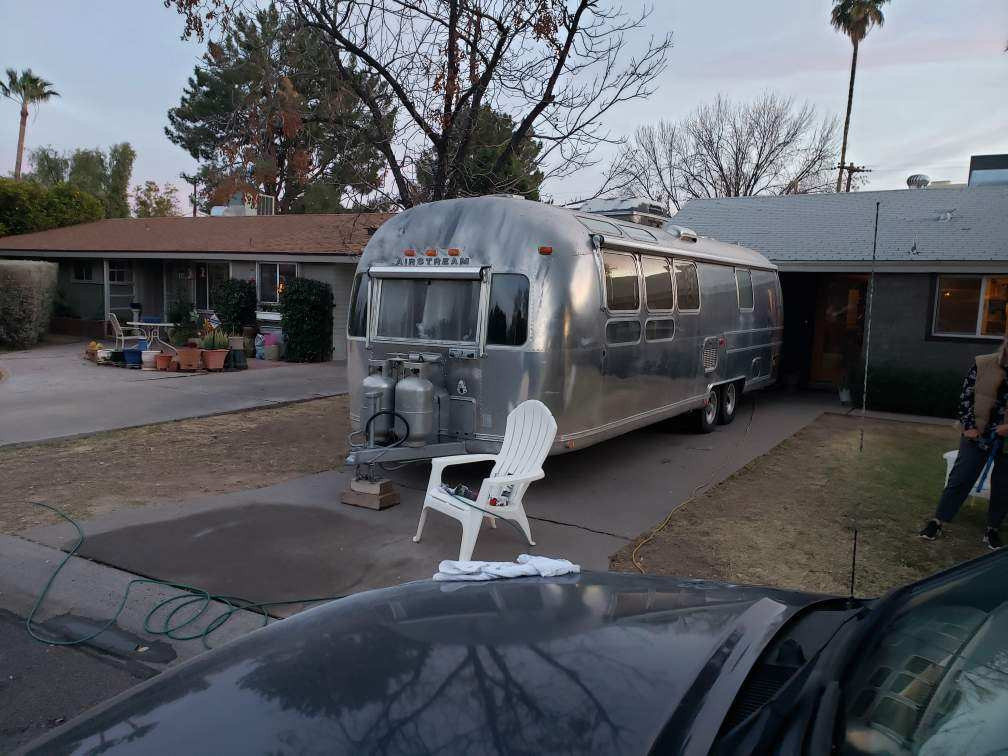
[(507, 319), (428, 309)]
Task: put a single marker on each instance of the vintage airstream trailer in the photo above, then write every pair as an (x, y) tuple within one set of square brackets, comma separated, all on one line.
[(463, 308)]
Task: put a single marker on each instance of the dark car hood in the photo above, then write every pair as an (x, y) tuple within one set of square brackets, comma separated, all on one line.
[(595, 663)]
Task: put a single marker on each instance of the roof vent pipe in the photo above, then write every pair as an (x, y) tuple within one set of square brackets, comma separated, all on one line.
[(918, 181)]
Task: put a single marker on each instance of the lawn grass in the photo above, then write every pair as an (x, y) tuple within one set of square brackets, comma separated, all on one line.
[(787, 518)]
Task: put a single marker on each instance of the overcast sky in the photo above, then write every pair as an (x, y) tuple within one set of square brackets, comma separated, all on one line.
[(931, 85)]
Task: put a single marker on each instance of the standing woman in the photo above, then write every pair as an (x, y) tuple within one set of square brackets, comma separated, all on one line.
[(984, 428)]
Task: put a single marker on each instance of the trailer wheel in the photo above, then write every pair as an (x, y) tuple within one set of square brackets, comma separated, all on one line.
[(708, 414), (729, 403)]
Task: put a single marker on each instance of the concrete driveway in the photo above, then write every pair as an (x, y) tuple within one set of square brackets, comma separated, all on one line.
[(295, 539), (51, 392)]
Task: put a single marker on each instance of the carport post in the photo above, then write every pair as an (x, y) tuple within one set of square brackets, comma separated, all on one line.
[(105, 289)]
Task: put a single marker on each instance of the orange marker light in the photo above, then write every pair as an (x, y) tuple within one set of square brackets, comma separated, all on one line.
[(431, 252), (545, 250), (409, 252), (454, 251)]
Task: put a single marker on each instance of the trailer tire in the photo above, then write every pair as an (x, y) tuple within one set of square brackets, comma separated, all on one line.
[(708, 414), (728, 405)]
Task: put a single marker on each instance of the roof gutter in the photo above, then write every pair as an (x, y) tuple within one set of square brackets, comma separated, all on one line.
[(349, 257)]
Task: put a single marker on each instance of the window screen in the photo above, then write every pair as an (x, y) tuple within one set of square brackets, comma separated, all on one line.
[(428, 309), (743, 283), (507, 317), (687, 286), (622, 292), (622, 332), (357, 320), (658, 283), (958, 305)]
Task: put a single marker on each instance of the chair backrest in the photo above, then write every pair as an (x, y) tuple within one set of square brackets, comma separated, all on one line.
[(528, 436), (116, 328)]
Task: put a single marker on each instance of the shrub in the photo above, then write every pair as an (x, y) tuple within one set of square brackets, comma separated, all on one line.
[(26, 206), (187, 322), (235, 304), (894, 388), (306, 320), (27, 294)]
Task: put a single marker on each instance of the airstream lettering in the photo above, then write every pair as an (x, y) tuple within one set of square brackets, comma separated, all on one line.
[(463, 308)]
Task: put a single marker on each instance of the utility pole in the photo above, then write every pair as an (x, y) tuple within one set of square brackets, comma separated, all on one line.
[(851, 170), (194, 180)]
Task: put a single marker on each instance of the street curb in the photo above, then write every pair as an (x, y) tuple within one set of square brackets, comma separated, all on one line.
[(88, 434), (90, 589)]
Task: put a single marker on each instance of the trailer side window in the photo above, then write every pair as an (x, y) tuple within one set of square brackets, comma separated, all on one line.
[(657, 283), (622, 332), (507, 321), (622, 292), (357, 322), (743, 284), (687, 286)]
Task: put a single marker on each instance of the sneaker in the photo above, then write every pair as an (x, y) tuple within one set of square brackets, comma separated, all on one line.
[(992, 539), (931, 531)]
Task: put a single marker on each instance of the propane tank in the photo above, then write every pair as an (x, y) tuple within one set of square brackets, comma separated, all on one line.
[(414, 400), (377, 395)]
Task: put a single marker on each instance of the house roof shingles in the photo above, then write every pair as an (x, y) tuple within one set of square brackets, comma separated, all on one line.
[(967, 224), (322, 234)]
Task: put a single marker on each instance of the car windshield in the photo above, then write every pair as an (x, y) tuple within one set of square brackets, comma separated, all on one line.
[(428, 309), (935, 680)]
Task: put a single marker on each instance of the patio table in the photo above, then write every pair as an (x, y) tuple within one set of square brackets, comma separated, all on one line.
[(152, 332)]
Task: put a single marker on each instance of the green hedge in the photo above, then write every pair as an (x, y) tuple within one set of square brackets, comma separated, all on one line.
[(26, 206), (235, 304), (893, 388), (27, 295), (306, 319)]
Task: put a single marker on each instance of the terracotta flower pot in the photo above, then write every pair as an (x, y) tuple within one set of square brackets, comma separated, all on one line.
[(188, 358), (162, 361), (213, 359)]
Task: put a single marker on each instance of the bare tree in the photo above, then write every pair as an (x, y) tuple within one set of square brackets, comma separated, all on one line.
[(554, 66), (726, 149)]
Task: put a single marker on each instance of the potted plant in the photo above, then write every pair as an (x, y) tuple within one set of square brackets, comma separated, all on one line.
[(215, 349)]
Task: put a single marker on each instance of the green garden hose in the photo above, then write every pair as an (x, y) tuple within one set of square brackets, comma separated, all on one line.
[(169, 626)]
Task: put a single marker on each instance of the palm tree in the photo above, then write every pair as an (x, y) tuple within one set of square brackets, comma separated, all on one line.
[(855, 18), (27, 89)]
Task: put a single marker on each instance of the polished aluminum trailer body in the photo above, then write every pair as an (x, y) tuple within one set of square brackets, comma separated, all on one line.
[(620, 325)]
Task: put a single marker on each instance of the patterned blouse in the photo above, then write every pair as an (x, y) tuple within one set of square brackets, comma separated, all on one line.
[(967, 418)]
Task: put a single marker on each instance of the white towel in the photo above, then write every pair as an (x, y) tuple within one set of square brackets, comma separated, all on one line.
[(527, 565)]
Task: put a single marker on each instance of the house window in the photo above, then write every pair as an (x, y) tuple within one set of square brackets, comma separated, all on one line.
[(273, 278), (120, 273), (83, 272), (622, 292), (971, 306)]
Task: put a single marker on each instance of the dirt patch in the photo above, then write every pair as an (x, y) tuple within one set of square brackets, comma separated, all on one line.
[(786, 519), (170, 461)]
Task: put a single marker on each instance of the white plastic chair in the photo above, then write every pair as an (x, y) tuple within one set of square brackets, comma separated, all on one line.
[(950, 458), (120, 335), (528, 435)]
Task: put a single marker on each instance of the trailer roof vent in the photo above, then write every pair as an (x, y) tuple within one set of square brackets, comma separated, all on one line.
[(680, 232), (633, 209)]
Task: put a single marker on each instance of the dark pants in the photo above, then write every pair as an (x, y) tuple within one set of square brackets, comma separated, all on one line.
[(963, 478)]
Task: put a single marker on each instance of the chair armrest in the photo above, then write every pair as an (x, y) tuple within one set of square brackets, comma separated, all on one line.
[(438, 465), (512, 479)]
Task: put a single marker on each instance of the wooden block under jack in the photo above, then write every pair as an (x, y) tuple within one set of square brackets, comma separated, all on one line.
[(371, 494)]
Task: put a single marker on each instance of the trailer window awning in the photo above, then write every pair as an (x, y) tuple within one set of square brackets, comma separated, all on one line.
[(464, 272)]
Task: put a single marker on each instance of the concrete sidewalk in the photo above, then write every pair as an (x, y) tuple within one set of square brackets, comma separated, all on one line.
[(295, 539), (52, 392)]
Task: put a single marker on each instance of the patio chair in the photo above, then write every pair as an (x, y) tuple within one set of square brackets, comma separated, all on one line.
[(528, 435), (120, 335), (950, 458)]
